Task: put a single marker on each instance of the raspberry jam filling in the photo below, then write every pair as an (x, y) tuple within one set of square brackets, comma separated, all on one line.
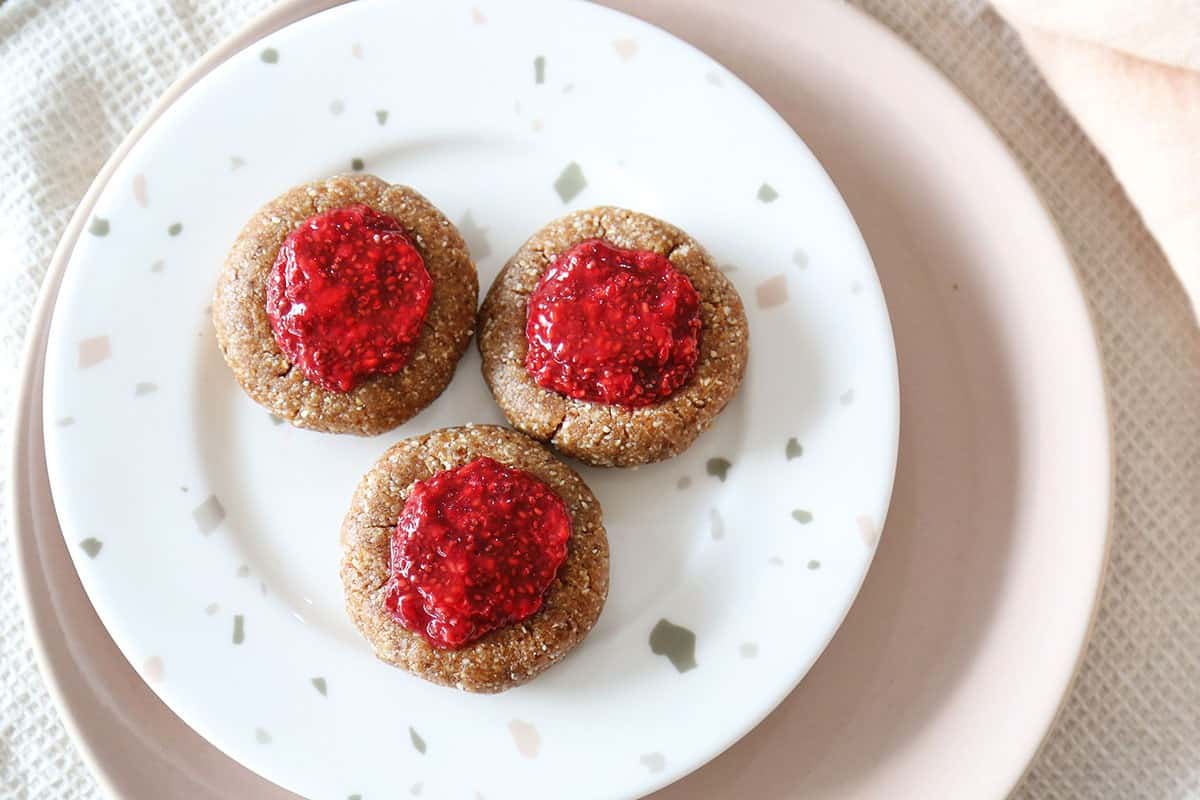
[(475, 549), (613, 326), (347, 296)]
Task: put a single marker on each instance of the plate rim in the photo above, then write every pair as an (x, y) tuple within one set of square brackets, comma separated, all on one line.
[(1110, 462), (1110, 465)]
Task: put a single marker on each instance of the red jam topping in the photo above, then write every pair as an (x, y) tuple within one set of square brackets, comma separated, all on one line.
[(347, 296), (476, 549), (613, 326)]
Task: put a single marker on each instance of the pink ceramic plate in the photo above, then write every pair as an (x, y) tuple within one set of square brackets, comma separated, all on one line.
[(948, 671)]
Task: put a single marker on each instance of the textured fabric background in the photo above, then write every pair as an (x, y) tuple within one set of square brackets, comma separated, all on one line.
[(75, 76)]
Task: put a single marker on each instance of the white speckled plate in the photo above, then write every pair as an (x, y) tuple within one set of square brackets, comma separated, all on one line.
[(206, 534)]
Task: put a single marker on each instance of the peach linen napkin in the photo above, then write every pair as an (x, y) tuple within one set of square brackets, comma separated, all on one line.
[(1129, 70)]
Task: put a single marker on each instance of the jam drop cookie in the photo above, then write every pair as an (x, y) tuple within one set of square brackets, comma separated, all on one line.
[(473, 558), (345, 305), (613, 335)]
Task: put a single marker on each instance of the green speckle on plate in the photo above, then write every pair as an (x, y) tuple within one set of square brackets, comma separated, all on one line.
[(539, 69), (99, 227), (802, 516), (357, 164), (175, 228), (381, 116), (814, 564), (570, 182), (91, 546), (320, 685), (675, 642), (793, 449), (417, 742), (767, 193), (269, 56), (239, 629), (718, 467)]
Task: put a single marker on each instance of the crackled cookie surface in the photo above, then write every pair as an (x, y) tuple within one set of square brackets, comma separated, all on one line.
[(473, 558), (345, 304), (613, 336)]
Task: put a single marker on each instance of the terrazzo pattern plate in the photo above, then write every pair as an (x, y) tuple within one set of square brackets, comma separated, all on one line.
[(205, 532)]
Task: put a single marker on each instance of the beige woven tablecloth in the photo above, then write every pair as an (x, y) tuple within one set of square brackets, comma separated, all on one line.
[(75, 76)]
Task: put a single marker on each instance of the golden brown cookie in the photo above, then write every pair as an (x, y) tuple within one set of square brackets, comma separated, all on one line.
[(612, 435), (508, 656), (379, 402)]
